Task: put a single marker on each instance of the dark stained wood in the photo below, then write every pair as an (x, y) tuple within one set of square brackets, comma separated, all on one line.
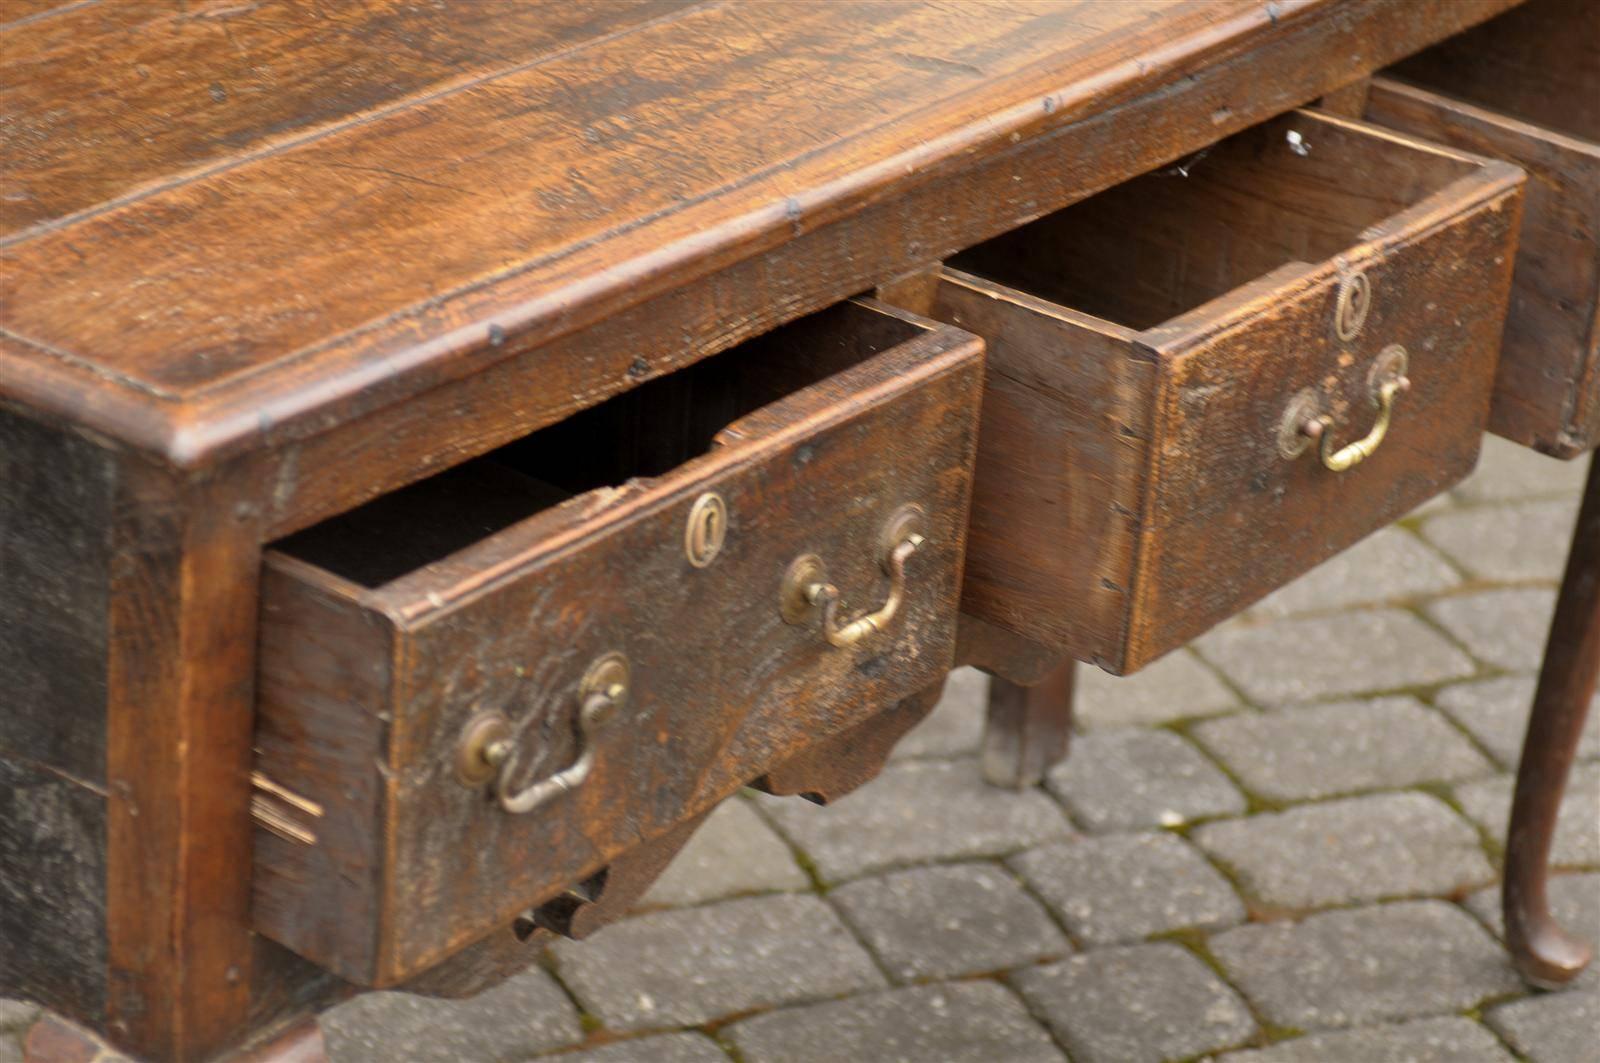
[(1028, 728), (382, 660), (1146, 344), (831, 768), (1347, 101), (1545, 953), (1002, 652), (56, 494), (181, 641), (56, 498), (193, 87), (315, 332), (1527, 88), (52, 890), (1534, 62), (264, 288)]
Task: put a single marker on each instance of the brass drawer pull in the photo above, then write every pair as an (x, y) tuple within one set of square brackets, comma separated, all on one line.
[(806, 588), (1386, 381), (487, 750)]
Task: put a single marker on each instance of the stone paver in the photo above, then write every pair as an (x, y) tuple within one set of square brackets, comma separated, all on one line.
[(1339, 748), (1390, 566), (1577, 840), (1504, 628), (1507, 472), (17, 1014), (1507, 544), (1340, 705), (661, 1048), (1177, 686), (1130, 779), (1452, 1040), (914, 812), (966, 1022), (679, 968), (1552, 1028), (1124, 887), (948, 921), (955, 726), (523, 1016), (1394, 961), (1315, 658), (1136, 1003), (1348, 851), (1495, 713), (734, 852)]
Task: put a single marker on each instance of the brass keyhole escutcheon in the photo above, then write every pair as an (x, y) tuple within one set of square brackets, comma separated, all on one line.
[(707, 529), (1350, 312)]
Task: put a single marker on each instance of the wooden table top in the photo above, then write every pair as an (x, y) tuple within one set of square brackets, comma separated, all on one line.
[(224, 217)]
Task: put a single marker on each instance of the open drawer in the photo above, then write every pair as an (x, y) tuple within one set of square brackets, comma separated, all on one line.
[(1526, 87), (1161, 354), (478, 691)]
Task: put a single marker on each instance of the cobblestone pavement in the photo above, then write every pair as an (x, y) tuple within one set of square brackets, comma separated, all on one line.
[(1278, 845)]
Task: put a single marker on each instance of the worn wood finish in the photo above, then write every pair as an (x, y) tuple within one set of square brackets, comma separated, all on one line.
[(312, 334), (844, 761), (57, 493), (1545, 953), (1527, 88), (181, 636), (1533, 62), (1145, 346), (833, 424), (312, 343), (223, 82), (1028, 728)]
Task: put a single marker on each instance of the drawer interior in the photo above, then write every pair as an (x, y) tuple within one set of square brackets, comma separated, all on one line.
[(645, 432), (1301, 188), (1539, 63)]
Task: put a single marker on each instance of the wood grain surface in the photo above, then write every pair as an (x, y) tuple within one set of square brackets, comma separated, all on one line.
[(313, 276), (1527, 88), (1146, 343), (376, 651)]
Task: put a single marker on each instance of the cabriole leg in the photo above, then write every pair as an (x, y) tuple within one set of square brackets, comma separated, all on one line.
[(1545, 954)]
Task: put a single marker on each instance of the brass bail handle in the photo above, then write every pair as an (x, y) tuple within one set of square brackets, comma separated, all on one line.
[(487, 749), (806, 588), (1386, 381)]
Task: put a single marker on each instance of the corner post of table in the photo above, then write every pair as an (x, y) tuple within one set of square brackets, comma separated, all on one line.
[(181, 647), (1545, 953)]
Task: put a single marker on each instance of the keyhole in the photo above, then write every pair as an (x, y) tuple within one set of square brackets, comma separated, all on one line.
[(708, 527)]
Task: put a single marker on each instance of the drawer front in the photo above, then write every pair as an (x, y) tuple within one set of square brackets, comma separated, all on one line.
[(1231, 517), (712, 681), (1547, 394), (1137, 483)]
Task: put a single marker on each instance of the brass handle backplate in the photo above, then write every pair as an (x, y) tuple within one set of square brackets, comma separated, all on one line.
[(487, 751), (806, 589), (1385, 381)]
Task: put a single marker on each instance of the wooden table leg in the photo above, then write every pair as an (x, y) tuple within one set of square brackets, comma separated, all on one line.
[(1544, 952), (1029, 728)]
